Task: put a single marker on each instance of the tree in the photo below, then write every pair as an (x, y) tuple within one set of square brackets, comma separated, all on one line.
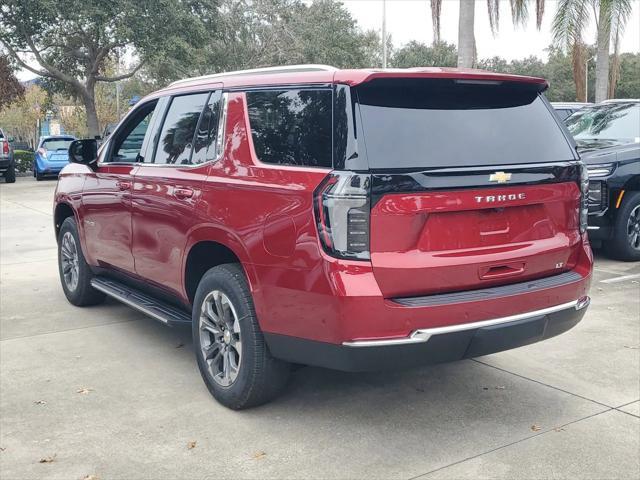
[(569, 24), (71, 41), (22, 115), (466, 23), (261, 33), (629, 83), (416, 54), (9, 85)]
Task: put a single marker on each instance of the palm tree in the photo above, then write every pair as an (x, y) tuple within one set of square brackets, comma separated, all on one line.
[(466, 21), (569, 23)]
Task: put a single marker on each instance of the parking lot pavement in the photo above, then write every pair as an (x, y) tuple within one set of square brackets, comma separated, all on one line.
[(105, 391)]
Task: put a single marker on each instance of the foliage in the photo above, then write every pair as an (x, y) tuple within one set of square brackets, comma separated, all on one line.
[(73, 41), (416, 54), (21, 117), (569, 24), (24, 160), (260, 33), (629, 83), (10, 87), (466, 37)]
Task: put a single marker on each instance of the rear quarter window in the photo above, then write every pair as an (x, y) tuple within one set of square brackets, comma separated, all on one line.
[(292, 126)]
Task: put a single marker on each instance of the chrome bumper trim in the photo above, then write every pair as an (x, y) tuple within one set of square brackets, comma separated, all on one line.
[(423, 335), (593, 227)]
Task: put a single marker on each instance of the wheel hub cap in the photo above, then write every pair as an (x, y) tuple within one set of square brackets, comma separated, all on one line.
[(220, 339), (69, 261)]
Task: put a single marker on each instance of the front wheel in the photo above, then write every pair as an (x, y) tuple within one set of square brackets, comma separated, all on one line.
[(625, 244), (75, 274), (232, 355)]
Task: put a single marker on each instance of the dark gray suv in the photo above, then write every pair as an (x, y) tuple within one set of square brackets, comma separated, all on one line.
[(7, 162)]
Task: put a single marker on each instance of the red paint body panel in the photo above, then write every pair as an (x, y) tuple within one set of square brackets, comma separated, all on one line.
[(421, 242), (347, 77), (448, 241), (163, 204), (106, 216)]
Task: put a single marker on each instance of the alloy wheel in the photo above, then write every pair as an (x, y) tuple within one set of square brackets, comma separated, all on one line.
[(633, 228), (220, 339), (70, 261)]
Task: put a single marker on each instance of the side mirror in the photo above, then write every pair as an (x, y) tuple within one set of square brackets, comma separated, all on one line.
[(84, 151)]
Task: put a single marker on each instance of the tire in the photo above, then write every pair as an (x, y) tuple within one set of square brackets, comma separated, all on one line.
[(10, 174), (626, 230), (38, 176), (258, 376), (71, 264)]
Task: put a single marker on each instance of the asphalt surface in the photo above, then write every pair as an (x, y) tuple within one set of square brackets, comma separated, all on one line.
[(109, 393)]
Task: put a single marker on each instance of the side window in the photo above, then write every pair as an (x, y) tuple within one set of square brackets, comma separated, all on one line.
[(291, 127), (176, 137), (205, 139), (128, 140)]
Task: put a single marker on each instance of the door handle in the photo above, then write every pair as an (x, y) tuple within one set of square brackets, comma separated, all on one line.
[(183, 193), (123, 185)]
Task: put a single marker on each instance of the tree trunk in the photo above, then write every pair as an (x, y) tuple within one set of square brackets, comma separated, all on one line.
[(466, 37), (578, 56), (93, 128), (602, 56)]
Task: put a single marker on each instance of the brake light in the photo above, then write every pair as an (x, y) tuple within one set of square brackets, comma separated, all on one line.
[(342, 207), (42, 151), (5, 147), (583, 208)]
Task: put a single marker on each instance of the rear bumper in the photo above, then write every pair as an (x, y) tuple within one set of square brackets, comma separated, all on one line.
[(599, 227), (432, 345), (5, 163)]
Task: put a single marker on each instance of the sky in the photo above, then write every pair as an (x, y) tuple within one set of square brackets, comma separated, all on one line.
[(411, 20)]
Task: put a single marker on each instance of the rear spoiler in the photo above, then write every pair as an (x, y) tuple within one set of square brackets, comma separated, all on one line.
[(357, 77)]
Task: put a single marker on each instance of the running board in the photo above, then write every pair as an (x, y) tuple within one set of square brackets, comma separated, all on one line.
[(157, 309)]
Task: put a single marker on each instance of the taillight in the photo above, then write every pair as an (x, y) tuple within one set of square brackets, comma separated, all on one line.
[(342, 207), (584, 198), (42, 151), (5, 147)]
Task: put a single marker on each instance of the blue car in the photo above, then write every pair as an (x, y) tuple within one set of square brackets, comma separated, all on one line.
[(51, 156)]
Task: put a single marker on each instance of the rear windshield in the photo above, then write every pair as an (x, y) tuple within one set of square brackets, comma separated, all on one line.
[(418, 123), (57, 144)]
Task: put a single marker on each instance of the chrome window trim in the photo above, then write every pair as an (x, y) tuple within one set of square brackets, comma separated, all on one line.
[(423, 335), (222, 122)]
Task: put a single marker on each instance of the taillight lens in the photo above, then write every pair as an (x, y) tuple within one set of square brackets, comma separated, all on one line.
[(5, 147), (584, 198), (342, 207), (42, 151)]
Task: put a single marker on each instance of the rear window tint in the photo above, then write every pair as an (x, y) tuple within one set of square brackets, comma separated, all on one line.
[(422, 123), (57, 143), (204, 143), (291, 127), (176, 137)]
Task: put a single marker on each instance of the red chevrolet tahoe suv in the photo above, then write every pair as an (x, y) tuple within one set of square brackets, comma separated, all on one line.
[(351, 219)]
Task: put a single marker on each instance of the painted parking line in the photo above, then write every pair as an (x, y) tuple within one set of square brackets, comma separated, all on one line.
[(621, 279)]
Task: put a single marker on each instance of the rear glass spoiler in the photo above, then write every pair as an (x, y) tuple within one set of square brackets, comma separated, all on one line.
[(357, 77)]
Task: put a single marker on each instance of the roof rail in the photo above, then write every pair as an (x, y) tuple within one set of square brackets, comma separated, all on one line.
[(260, 71)]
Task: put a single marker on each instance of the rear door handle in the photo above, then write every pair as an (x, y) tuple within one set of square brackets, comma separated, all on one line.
[(123, 185), (183, 193)]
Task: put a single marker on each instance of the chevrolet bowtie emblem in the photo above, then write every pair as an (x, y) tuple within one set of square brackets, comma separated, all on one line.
[(500, 177)]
